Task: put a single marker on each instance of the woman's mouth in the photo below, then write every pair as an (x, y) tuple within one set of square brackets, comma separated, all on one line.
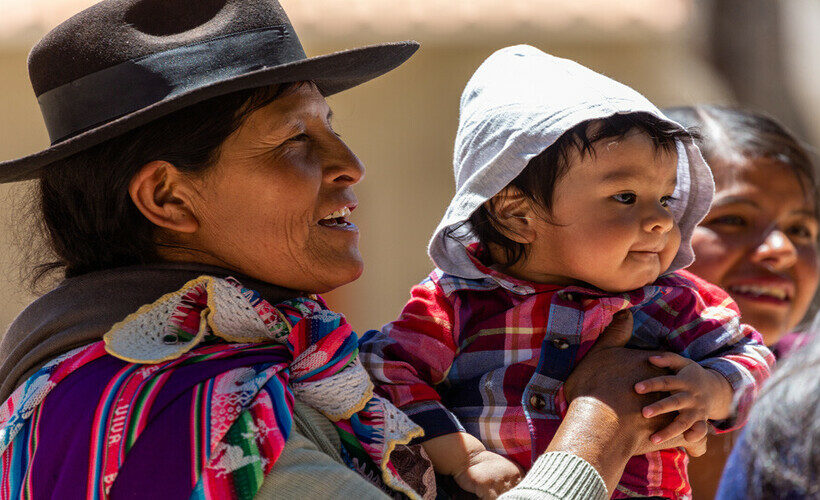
[(338, 219), (771, 293)]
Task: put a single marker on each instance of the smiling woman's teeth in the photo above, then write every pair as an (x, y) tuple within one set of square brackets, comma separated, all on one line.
[(344, 212), (337, 218), (777, 293)]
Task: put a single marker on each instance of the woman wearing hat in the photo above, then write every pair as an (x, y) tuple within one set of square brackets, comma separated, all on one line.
[(196, 199)]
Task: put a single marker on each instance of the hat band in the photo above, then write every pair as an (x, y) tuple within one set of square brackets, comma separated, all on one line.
[(130, 86)]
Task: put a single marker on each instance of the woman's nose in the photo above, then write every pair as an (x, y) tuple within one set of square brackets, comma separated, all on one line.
[(658, 220), (342, 165), (776, 251)]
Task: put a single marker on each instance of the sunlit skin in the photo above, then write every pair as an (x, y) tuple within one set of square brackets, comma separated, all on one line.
[(610, 224), (258, 209), (760, 232)]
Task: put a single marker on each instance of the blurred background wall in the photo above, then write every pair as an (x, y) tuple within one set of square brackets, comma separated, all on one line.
[(764, 54)]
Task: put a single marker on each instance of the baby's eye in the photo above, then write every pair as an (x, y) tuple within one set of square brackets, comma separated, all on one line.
[(625, 198), (667, 200)]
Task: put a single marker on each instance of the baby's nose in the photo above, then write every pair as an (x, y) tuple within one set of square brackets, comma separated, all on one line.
[(658, 220)]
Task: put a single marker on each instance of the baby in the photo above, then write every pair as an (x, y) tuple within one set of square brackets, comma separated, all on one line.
[(575, 199)]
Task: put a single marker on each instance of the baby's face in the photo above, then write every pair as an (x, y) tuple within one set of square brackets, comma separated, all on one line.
[(616, 231)]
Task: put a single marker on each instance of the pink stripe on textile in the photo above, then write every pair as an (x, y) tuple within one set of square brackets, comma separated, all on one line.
[(5, 487), (34, 434), (96, 486)]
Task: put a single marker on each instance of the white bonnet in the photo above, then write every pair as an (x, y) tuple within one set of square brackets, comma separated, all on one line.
[(518, 102)]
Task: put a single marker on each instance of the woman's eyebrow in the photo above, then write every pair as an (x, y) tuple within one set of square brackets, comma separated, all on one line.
[(735, 200), (805, 211)]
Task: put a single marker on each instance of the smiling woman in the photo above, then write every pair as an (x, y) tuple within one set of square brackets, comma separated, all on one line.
[(287, 159), (194, 197), (759, 241)]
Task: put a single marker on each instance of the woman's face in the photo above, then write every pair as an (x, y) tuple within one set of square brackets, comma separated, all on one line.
[(275, 205), (759, 243)]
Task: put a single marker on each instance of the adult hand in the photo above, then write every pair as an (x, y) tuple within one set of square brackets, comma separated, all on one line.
[(604, 424)]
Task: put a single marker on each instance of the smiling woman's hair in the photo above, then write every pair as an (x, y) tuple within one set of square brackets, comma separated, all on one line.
[(84, 207), (734, 134), (539, 178)]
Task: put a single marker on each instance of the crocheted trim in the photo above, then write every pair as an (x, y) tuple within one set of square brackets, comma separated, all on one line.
[(402, 436), (162, 331), (331, 395)]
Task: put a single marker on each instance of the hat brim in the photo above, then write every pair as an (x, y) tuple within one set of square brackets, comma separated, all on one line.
[(331, 73)]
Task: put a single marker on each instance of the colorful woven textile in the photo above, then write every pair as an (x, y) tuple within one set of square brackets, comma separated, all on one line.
[(192, 397)]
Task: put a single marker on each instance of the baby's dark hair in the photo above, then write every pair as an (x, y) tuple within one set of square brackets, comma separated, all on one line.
[(538, 179)]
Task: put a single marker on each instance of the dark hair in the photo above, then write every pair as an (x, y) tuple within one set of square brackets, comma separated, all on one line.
[(85, 209), (538, 179), (724, 132)]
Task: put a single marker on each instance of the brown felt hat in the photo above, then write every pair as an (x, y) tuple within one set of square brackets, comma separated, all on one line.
[(122, 63)]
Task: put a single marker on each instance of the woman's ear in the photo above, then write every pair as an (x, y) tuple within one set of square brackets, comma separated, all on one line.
[(514, 213), (164, 195)]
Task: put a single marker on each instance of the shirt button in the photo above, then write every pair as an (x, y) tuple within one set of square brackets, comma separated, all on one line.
[(537, 402), (560, 344), (569, 296)]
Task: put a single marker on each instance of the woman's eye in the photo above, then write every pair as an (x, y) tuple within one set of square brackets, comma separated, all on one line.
[(728, 220), (625, 198), (299, 138), (801, 231)]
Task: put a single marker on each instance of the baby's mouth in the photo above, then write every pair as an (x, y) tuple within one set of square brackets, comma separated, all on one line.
[(337, 218)]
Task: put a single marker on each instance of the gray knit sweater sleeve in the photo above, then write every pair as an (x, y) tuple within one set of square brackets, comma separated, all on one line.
[(558, 475)]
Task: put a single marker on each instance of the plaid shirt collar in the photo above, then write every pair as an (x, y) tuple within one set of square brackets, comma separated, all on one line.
[(495, 278), (478, 253)]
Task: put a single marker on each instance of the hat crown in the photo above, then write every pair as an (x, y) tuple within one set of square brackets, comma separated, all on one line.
[(115, 31)]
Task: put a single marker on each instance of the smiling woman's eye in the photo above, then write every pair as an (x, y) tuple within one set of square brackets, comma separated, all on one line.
[(801, 231), (728, 220), (299, 138), (625, 198)]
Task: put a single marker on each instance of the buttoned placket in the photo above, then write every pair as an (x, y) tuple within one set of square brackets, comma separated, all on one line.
[(558, 351)]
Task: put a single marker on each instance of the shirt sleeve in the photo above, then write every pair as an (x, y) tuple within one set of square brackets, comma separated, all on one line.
[(702, 323), (558, 475), (411, 355)]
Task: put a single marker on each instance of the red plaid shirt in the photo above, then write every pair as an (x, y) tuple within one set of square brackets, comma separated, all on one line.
[(489, 357)]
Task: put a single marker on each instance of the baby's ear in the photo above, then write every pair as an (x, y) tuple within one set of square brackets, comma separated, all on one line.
[(514, 213)]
